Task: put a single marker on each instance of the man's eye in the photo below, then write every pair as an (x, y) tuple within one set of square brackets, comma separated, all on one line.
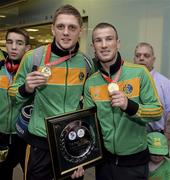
[(147, 55), (72, 28), (97, 40), (20, 43), (9, 42), (60, 26), (109, 38), (138, 55)]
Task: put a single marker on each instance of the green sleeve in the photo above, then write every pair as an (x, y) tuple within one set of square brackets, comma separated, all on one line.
[(149, 105), (87, 101)]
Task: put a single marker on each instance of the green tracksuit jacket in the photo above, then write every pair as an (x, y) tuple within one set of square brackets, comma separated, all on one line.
[(8, 111), (162, 172), (61, 94), (124, 133)]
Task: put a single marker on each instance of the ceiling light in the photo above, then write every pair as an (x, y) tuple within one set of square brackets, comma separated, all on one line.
[(3, 41), (32, 30), (44, 40), (2, 16)]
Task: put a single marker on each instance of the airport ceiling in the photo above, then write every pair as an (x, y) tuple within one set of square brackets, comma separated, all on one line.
[(39, 34)]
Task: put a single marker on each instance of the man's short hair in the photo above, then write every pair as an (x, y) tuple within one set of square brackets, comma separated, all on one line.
[(141, 44), (19, 31), (69, 10), (104, 25)]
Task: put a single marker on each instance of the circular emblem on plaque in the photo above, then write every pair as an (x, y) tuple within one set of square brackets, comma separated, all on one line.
[(72, 135), (76, 141), (80, 133)]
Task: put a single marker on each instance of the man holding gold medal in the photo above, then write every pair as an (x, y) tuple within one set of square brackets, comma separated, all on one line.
[(126, 100), (56, 85)]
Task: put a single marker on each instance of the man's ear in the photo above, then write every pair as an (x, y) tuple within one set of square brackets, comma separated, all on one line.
[(28, 47), (154, 58), (92, 46), (81, 31), (118, 44), (52, 30)]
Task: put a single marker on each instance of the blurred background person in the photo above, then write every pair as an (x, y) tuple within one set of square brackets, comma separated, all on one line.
[(144, 55), (159, 165), (12, 148)]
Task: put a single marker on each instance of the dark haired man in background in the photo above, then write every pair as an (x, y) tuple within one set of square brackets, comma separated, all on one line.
[(12, 148)]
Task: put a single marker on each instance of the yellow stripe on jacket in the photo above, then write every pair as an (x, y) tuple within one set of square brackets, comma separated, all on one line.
[(100, 93), (76, 76), (4, 82)]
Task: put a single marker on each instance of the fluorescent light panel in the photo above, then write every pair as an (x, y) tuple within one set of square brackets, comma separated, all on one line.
[(32, 30), (2, 16)]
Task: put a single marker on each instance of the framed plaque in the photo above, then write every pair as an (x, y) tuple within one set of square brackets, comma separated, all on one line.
[(74, 140)]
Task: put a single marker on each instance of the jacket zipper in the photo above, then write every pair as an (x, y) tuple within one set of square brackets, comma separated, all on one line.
[(117, 161), (66, 87), (10, 78)]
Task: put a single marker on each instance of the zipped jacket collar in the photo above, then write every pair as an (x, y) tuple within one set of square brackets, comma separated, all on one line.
[(56, 50), (113, 68)]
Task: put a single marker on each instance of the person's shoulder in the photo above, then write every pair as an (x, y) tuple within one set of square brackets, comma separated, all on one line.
[(85, 57), (167, 161), (3, 54), (94, 76), (162, 77), (135, 67), (35, 50), (28, 54), (130, 64), (42, 47)]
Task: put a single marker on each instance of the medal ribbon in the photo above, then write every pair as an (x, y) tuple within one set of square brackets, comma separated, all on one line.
[(109, 80), (58, 61)]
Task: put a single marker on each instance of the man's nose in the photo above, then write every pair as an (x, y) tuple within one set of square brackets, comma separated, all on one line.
[(103, 43), (142, 56), (66, 30), (14, 45)]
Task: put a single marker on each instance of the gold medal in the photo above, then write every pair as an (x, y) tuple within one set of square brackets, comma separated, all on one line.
[(46, 71), (113, 87)]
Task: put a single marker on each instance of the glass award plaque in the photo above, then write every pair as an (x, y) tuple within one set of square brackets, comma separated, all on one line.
[(74, 140)]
